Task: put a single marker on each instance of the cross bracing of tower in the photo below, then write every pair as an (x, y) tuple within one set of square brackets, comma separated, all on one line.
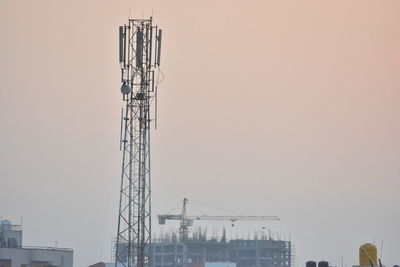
[(139, 57)]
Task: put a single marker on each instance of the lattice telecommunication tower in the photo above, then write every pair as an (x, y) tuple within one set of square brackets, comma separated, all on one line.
[(139, 57)]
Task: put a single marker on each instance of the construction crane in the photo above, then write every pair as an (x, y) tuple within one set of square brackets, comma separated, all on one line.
[(187, 220)]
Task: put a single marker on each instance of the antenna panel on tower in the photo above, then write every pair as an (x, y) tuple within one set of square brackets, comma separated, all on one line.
[(139, 49), (159, 47), (121, 44)]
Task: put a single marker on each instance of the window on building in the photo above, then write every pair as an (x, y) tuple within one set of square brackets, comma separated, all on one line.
[(169, 259), (169, 249)]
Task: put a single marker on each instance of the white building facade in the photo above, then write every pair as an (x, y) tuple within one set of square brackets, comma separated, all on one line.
[(35, 257)]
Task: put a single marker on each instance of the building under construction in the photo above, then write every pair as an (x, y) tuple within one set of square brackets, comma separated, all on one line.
[(265, 252), (186, 249), (245, 253)]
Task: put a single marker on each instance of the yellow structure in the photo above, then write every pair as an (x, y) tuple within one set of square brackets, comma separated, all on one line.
[(368, 253)]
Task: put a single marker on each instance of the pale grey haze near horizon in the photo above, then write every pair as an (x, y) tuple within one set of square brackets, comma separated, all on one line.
[(287, 108)]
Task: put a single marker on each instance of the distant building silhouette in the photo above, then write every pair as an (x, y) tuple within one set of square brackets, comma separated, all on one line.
[(14, 254)]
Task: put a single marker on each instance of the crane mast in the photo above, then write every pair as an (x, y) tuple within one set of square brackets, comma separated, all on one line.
[(184, 230)]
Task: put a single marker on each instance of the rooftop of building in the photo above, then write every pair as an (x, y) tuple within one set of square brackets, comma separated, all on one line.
[(11, 238), (39, 248), (7, 225)]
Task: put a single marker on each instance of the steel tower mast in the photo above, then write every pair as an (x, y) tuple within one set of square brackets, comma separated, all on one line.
[(139, 57)]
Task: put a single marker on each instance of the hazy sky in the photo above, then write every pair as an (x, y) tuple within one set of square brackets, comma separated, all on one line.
[(287, 108)]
